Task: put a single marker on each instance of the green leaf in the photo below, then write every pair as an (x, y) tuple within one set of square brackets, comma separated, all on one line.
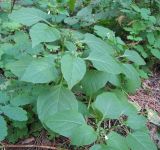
[(20, 124), (102, 61), (104, 32), (157, 43), (151, 38), (70, 46), (85, 11), (72, 5), (114, 104), (28, 16), (136, 122), (117, 141), (3, 127), (73, 69), (109, 105), (38, 31), (71, 20), (141, 50), (132, 78), (55, 100), (134, 56), (82, 108), (140, 140), (35, 70), (65, 122), (126, 3), (14, 113), (3, 97), (22, 100), (156, 53), (101, 147), (96, 44), (93, 81), (114, 79), (1, 52), (86, 135), (128, 107)]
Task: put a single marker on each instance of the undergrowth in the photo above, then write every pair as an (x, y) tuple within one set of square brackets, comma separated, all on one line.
[(68, 66)]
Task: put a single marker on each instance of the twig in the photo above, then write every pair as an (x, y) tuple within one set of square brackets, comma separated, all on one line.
[(27, 146)]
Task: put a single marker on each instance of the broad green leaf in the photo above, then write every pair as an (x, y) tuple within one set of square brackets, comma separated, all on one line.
[(82, 108), (134, 56), (136, 122), (114, 104), (104, 32), (151, 38), (70, 46), (1, 52), (116, 141), (145, 13), (114, 79), (43, 33), (35, 70), (141, 50), (22, 100), (96, 44), (3, 97), (157, 42), (102, 61), (28, 16), (132, 78), (93, 81), (65, 122), (85, 11), (128, 108), (140, 141), (86, 135), (139, 26), (73, 69), (55, 100), (100, 147), (156, 53), (71, 20), (3, 127), (126, 3), (14, 113), (109, 105), (22, 46), (5, 5)]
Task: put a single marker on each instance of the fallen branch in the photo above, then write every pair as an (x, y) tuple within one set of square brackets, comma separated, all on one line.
[(27, 146)]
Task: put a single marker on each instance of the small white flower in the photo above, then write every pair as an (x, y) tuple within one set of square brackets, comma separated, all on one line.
[(106, 137), (34, 56), (49, 12)]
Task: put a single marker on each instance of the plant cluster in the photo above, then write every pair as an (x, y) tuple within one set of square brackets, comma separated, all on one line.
[(66, 62)]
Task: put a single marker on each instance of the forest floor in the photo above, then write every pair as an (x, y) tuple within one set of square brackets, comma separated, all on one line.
[(148, 98)]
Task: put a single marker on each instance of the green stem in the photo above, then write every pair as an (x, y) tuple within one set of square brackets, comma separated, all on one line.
[(61, 80), (49, 23), (89, 103), (99, 125)]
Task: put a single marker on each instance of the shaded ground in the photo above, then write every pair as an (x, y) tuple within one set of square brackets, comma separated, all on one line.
[(148, 97)]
